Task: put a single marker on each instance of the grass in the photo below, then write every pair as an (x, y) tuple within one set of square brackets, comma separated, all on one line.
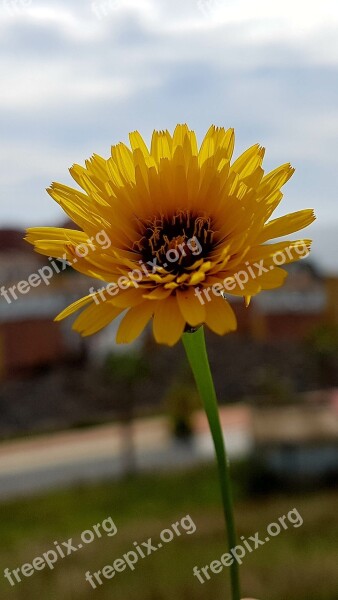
[(299, 564)]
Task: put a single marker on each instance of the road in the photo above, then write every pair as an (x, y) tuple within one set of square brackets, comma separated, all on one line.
[(32, 465)]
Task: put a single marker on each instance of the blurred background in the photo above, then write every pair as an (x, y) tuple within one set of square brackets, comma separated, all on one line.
[(89, 429)]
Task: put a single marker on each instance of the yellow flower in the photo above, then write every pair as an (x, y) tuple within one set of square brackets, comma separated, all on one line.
[(185, 228)]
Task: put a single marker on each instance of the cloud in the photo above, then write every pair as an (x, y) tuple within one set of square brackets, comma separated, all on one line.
[(78, 75)]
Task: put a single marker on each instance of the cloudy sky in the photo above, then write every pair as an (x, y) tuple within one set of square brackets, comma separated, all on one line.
[(77, 76)]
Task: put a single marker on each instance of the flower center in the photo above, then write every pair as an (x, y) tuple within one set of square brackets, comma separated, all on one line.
[(177, 241)]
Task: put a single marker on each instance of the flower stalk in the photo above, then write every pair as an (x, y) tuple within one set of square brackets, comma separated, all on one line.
[(194, 344)]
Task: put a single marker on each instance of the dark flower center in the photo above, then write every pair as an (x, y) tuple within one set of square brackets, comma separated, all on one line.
[(177, 241)]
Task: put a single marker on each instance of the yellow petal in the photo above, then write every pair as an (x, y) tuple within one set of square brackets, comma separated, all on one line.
[(124, 162), (220, 317), (168, 323), (74, 307), (273, 279), (285, 225), (78, 207), (127, 298), (159, 293), (138, 145), (197, 278), (280, 253), (181, 131), (275, 179), (161, 145), (134, 322), (95, 317), (248, 162), (191, 308), (35, 234)]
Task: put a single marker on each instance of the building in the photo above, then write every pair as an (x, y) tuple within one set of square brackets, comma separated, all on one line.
[(294, 310), (29, 338)]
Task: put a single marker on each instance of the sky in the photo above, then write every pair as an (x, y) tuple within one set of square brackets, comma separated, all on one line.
[(77, 76)]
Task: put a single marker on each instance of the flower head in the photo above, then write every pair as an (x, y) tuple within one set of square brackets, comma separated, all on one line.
[(185, 228)]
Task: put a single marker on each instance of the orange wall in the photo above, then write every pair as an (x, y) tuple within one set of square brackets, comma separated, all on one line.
[(29, 344)]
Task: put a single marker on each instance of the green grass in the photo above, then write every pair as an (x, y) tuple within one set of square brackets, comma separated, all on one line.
[(299, 564)]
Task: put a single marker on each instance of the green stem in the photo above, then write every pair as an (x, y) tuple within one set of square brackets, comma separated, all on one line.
[(194, 344)]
